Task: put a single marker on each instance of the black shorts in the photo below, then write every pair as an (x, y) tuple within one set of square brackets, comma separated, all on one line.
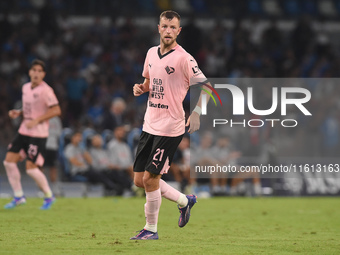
[(50, 157), (155, 153), (31, 147)]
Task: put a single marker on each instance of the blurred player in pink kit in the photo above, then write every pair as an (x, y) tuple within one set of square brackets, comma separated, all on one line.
[(39, 104), (168, 69)]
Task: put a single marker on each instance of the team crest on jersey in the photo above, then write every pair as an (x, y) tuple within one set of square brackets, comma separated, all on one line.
[(169, 70)]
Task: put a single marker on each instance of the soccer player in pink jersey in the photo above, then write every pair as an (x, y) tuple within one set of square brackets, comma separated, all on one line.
[(168, 70), (39, 104)]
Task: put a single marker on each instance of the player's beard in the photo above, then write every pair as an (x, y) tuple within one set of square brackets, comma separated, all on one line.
[(168, 43)]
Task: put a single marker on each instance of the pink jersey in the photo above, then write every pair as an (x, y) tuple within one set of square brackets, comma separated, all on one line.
[(35, 102), (170, 76)]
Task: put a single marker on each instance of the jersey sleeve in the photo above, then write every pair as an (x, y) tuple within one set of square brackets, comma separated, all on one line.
[(193, 73), (50, 98), (146, 73)]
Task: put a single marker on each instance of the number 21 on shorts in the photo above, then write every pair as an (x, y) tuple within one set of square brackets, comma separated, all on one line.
[(159, 153)]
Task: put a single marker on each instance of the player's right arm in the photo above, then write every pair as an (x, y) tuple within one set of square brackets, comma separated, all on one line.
[(15, 113), (139, 89)]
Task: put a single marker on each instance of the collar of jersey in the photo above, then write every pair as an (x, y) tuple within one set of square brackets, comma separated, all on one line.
[(162, 56), (36, 86)]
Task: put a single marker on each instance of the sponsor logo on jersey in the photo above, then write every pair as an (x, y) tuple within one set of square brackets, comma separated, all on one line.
[(161, 106)]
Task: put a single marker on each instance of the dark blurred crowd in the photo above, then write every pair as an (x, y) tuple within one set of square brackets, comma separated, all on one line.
[(93, 63), (328, 9)]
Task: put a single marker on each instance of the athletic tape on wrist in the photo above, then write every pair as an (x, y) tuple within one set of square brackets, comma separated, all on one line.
[(198, 110)]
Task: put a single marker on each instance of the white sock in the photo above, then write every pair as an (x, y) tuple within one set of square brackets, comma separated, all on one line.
[(152, 228), (14, 178), (19, 193), (182, 200), (151, 209)]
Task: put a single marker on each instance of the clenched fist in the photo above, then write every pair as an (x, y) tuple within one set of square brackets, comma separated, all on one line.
[(13, 114), (138, 90)]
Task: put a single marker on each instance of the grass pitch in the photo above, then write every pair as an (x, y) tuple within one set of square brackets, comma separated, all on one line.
[(217, 226)]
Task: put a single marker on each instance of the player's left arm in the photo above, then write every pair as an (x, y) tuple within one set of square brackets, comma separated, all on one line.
[(193, 121)]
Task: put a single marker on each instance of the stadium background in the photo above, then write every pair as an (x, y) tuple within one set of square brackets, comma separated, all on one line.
[(95, 50)]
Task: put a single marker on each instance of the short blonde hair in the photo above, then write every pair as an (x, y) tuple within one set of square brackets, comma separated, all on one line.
[(169, 14)]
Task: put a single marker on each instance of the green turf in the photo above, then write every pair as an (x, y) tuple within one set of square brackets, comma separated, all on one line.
[(217, 226)]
